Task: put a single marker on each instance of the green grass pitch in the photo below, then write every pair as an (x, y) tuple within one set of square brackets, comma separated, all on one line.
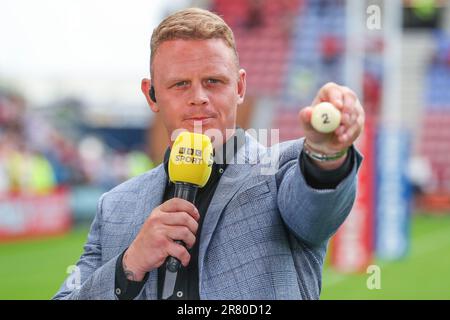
[(35, 269)]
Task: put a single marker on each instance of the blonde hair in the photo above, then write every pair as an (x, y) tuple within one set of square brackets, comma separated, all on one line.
[(192, 24)]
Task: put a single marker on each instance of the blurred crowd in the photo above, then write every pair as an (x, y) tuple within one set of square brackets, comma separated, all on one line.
[(37, 157)]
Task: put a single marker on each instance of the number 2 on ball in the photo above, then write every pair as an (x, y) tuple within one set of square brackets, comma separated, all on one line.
[(325, 118)]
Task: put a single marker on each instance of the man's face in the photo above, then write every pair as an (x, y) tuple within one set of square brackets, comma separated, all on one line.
[(197, 82)]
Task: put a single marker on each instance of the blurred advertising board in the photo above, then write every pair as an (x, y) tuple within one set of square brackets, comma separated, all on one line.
[(352, 246), (31, 215), (393, 194)]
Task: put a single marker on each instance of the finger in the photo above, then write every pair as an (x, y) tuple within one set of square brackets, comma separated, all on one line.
[(181, 233), (332, 93), (346, 120), (180, 252), (180, 219), (305, 118), (340, 130), (349, 135), (178, 204), (350, 101), (351, 106), (359, 112), (356, 114)]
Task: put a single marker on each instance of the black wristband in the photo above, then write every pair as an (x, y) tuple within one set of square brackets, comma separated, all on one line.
[(126, 289)]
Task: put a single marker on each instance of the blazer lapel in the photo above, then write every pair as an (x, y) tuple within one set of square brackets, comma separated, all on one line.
[(151, 196), (230, 183)]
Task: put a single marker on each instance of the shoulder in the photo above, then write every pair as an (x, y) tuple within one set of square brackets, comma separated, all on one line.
[(286, 150), (284, 153), (136, 185), (275, 160)]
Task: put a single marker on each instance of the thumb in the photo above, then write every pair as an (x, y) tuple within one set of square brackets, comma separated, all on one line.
[(305, 115)]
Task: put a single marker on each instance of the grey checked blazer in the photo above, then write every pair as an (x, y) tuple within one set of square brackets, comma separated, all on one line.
[(264, 236)]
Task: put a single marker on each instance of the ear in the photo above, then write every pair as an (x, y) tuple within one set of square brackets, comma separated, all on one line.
[(241, 86), (145, 88)]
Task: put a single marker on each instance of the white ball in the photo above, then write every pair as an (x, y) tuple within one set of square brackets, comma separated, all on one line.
[(325, 117)]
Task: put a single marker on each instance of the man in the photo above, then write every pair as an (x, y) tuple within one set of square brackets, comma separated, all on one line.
[(248, 235)]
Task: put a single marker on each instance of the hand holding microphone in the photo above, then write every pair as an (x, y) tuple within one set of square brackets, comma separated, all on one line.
[(174, 219), (173, 224), (190, 165)]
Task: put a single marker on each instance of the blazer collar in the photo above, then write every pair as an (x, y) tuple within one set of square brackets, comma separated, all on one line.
[(231, 181)]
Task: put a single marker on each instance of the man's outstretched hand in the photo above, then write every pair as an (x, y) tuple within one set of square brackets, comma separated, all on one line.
[(351, 126)]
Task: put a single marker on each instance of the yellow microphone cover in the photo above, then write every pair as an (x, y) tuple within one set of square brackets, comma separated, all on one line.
[(191, 159)]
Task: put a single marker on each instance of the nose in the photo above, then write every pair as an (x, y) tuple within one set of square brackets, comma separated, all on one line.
[(198, 96)]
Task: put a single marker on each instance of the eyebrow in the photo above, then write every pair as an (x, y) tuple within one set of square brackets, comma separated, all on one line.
[(219, 76), (172, 81)]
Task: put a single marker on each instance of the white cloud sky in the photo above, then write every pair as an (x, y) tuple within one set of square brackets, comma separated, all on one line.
[(86, 40)]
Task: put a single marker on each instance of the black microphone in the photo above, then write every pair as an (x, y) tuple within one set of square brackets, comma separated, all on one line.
[(186, 191)]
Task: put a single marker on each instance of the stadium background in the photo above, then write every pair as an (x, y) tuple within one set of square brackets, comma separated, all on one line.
[(73, 124)]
